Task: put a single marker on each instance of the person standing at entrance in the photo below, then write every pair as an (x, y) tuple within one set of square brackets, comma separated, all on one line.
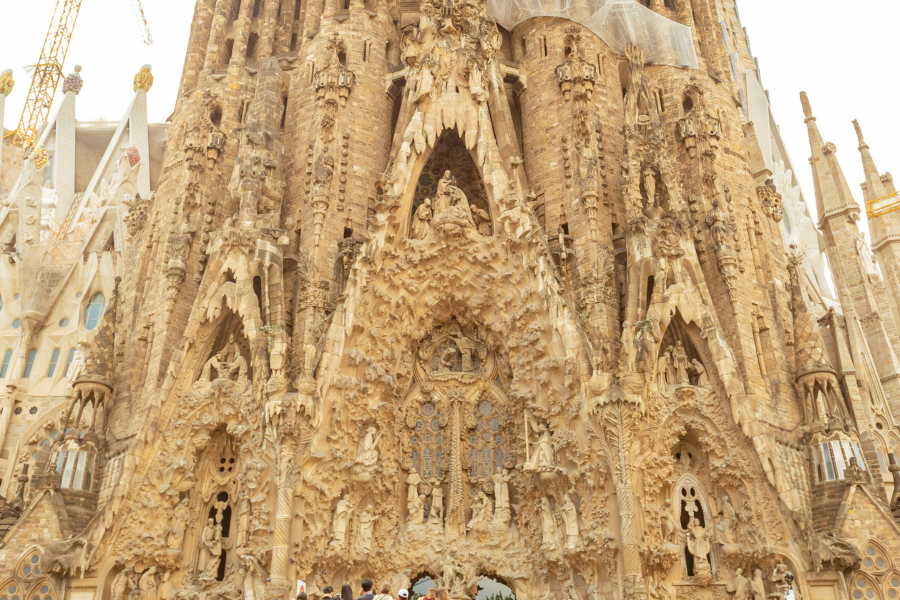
[(328, 592), (403, 594), (347, 592), (366, 590), (385, 592)]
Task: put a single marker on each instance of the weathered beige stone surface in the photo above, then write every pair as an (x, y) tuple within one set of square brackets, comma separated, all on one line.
[(420, 297)]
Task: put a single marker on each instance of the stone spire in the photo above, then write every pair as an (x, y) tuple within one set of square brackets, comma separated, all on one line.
[(833, 195), (100, 357), (809, 347)]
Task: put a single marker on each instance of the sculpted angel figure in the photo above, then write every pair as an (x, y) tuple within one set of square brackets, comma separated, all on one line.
[(543, 455), (698, 541), (369, 452)]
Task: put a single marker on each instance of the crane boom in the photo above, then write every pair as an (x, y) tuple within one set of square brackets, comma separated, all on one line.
[(47, 73)]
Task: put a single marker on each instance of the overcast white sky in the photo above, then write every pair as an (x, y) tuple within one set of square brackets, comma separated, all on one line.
[(844, 55)]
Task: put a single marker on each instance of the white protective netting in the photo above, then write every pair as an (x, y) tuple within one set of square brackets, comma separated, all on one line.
[(616, 22)]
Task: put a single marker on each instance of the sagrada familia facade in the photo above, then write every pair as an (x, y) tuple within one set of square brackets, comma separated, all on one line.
[(411, 295)]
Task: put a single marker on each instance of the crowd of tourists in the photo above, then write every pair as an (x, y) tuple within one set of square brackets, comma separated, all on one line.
[(367, 593)]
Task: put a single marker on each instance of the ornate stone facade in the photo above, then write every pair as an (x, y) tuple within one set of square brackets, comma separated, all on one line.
[(418, 297)]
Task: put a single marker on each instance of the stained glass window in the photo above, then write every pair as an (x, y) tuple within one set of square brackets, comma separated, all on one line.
[(426, 445), (486, 454)]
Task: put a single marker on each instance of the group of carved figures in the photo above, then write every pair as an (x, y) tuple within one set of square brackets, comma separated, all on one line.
[(673, 368), (449, 208), (549, 531), (227, 363)]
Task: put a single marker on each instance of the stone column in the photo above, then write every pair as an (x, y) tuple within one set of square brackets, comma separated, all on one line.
[(197, 45), (268, 29), (216, 38), (64, 153), (6, 86), (139, 135), (287, 478)]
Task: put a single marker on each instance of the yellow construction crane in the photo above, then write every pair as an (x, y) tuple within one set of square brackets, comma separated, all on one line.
[(884, 205), (48, 70)]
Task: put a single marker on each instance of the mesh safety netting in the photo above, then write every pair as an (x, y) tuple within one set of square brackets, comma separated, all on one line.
[(616, 22)]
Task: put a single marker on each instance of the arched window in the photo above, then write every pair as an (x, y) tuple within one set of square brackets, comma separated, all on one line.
[(7, 356), (29, 567), (863, 589), (31, 355), (43, 591), (70, 359), (94, 311), (875, 559), (53, 360), (11, 592), (892, 586)]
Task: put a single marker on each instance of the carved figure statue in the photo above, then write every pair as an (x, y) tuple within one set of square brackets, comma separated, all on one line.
[(570, 519), (369, 452), (243, 529), (341, 519), (867, 258), (466, 347), (739, 586), (148, 585), (482, 220), (650, 186), (254, 578), (166, 589), (230, 350), (718, 224), (702, 377), (421, 221), (549, 540), (206, 541), (365, 531), (214, 547), (698, 544), (239, 367), (777, 576), (680, 362), (122, 583), (417, 511), (758, 586), (482, 511), (442, 195), (725, 526), (501, 489), (412, 491), (662, 369), (178, 525), (594, 594), (543, 455), (667, 523), (437, 505)]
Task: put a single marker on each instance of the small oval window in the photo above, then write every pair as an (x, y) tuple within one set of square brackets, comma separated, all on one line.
[(62, 322), (94, 311), (16, 324)]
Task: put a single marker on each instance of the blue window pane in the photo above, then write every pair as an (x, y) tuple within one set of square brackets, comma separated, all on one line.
[(1, 303), (53, 360), (63, 322), (70, 359), (473, 459), (6, 358), (437, 462), (31, 354), (426, 463), (94, 311), (16, 324)]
